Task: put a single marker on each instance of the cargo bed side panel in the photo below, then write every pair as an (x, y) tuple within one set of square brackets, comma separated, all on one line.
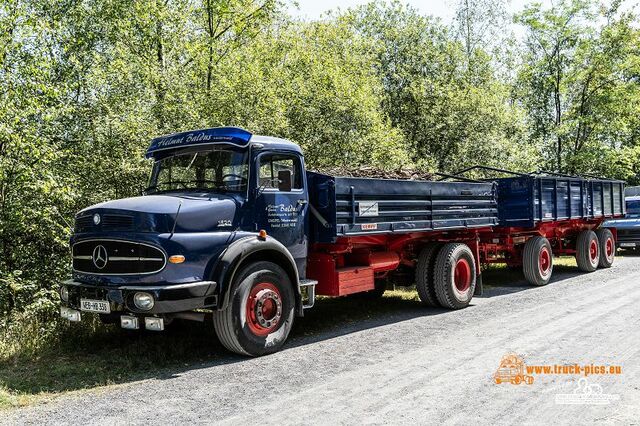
[(361, 206), (524, 201)]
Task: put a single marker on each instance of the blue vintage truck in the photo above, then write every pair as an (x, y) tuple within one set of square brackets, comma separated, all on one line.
[(233, 226)]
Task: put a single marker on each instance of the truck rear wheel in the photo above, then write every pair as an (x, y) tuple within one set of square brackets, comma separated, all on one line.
[(454, 276), (260, 312), (424, 275), (587, 251), (607, 247), (537, 261)]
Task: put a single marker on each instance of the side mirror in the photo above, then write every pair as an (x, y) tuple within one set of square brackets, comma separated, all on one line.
[(284, 180)]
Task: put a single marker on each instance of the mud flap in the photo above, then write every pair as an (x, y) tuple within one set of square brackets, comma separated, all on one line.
[(478, 289)]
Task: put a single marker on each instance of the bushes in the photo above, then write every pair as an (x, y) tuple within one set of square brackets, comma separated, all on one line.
[(32, 327)]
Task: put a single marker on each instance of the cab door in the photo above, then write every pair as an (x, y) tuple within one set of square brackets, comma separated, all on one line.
[(282, 202)]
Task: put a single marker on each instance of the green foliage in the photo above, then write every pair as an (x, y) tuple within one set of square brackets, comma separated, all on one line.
[(579, 85), (445, 99), (85, 85)]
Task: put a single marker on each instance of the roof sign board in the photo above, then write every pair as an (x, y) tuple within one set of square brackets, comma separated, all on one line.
[(227, 135)]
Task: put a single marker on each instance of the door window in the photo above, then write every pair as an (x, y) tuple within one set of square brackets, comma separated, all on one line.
[(271, 164)]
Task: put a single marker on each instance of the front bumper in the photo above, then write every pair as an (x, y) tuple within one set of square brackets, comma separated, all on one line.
[(170, 298)]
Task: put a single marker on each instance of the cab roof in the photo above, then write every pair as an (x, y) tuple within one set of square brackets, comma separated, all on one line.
[(234, 136)]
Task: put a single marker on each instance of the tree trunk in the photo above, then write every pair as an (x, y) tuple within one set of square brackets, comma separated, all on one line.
[(161, 87)]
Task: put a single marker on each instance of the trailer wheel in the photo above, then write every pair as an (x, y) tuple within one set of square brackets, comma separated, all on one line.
[(607, 247), (537, 261), (455, 276), (587, 251), (260, 312), (424, 275)]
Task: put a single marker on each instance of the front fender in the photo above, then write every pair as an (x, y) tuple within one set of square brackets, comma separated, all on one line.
[(247, 247)]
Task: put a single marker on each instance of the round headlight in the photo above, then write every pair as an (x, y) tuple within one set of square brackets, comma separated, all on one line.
[(64, 294), (143, 301)]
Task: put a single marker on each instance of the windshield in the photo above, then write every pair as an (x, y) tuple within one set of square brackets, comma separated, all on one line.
[(211, 170), (633, 208)]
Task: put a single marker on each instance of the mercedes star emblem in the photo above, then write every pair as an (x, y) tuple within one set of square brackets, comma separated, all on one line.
[(100, 257)]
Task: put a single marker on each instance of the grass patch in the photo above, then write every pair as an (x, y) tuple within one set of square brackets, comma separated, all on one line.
[(91, 354), (40, 359)]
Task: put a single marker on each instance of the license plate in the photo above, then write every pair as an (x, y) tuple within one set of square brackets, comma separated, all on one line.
[(627, 244), (99, 306)]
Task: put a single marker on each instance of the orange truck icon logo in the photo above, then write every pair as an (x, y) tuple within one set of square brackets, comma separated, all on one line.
[(512, 370)]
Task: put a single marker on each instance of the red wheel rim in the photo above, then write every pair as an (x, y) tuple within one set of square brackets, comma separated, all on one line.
[(264, 309), (462, 275), (593, 250), (544, 261), (609, 247)]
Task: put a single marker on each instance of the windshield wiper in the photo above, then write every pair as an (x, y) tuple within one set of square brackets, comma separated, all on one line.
[(218, 186), (153, 188)]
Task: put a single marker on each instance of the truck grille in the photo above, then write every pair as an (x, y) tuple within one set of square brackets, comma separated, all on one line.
[(115, 257), (108, 222)]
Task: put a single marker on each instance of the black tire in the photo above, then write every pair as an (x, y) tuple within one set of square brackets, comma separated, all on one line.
[(587, 251), (607, 247), (537, 261), (454, 276), (238, 326), (424, 275)]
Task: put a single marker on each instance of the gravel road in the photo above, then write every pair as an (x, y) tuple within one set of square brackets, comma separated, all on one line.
[(409, 366)]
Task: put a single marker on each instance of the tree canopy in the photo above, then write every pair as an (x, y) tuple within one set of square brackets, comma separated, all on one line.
[(85, 84)]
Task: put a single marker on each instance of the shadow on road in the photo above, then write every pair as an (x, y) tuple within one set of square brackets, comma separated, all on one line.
[(90, 355), (502, 281)]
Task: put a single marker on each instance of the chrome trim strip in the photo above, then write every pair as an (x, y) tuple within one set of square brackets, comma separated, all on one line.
[(170, 286), (141, 287), (137, 259), (123, 259), (123, 241)]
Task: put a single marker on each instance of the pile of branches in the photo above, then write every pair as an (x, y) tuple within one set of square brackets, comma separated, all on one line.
[(372, 172)]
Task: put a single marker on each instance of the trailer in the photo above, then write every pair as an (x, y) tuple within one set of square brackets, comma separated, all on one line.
[(543, 214), (233, 226)]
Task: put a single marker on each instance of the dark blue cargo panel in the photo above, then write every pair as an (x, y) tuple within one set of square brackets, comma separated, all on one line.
[(362, 206), (525, 200)]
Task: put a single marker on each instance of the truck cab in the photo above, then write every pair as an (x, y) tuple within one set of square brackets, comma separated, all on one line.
[(219, 202)]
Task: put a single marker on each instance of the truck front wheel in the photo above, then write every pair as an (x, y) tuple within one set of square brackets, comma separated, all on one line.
[(454, 276), (537, 261), (587, 251), (260, 312)]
